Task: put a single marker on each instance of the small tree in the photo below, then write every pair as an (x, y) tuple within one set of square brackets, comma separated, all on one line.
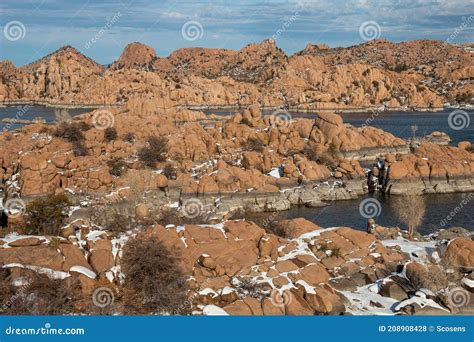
[(410, 209), (47, 215)]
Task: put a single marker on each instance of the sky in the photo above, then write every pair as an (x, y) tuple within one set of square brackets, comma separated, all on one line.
[(32, 29)]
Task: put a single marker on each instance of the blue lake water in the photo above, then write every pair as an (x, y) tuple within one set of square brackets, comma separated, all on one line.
[(26, 112), (347, 213)]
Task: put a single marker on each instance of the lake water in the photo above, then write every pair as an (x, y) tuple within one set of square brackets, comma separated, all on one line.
[(347, 213), (398, 123), (25, 112)]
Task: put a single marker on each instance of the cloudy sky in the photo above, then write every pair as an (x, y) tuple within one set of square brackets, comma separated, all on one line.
[(101, 29)]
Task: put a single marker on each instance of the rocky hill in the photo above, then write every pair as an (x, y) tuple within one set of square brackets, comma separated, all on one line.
[(422, 74)]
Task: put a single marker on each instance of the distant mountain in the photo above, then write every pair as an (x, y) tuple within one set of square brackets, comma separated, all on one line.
[(409, 74)]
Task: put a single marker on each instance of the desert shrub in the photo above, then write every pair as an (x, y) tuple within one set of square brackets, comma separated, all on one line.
[(117, 167), (310, 153), (110, 134), (253, 144), (129, 137), (399, 67), (250, 288), (154, 281), (115, 220), (169, 171), (155, 151), (73, 132), (39, 295), (46, 216)]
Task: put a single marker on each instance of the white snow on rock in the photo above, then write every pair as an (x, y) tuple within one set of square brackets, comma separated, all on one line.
[(83, 270), (213, 310), (52, 274), (420, 301), (275, 172), (418, 251), (365, 300)]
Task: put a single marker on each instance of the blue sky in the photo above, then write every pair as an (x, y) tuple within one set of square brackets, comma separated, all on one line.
[(50, 24)]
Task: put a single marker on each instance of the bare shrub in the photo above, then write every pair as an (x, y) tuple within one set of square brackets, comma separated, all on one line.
[(154, 282), (155, 151), (115, 219), (250, 288), (170, 171), (117, 167), (139, 183), (110, 134), (410, 209), (129, 137), (253, 144), (39, 295), (47, 215), (73, 132)]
